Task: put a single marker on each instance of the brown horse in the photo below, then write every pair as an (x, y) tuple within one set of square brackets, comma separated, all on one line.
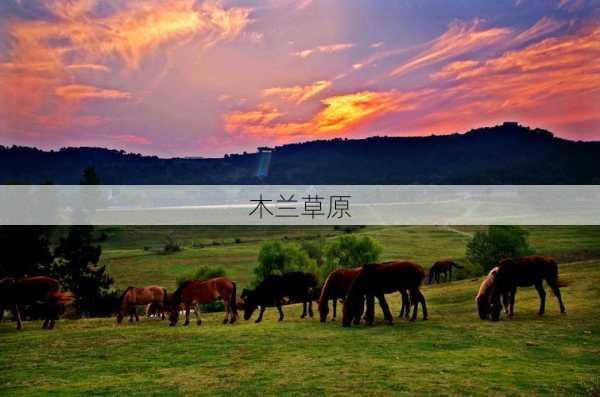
[(34, 290), (197, 292), (442, 267), (525, 272), (132, 297), (376, 280), (484, 295), (336, 287)]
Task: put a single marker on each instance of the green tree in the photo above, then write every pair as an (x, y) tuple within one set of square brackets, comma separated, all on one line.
[(89, 177), (202, 273), (351, 251), (76, 267), (277, 258), (25, 251), (487, 248)]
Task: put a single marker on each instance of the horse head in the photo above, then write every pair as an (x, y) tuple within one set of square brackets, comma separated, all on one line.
[(250, 305)]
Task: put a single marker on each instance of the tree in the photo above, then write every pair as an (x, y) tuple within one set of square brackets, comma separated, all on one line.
[(76, 267), (487, 248), (351, 251), (25, 251), (277, 258), (89, 177)]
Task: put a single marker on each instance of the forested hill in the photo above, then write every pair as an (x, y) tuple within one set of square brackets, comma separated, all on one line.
[(505, 154)]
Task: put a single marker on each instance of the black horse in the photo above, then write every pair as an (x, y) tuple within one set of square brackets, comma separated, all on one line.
[(295, 286)]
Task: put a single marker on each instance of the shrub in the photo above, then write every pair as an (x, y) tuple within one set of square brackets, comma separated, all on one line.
[(171, 246), (350, 251), (487, 248), (277, 258)]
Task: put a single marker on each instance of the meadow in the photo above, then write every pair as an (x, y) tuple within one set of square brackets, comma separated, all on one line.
[(452, 353)]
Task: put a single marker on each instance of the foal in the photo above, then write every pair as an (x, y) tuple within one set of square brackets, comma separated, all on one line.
[(442, 267)]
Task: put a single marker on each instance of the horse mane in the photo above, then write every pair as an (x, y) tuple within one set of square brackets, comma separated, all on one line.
[(178, 291)]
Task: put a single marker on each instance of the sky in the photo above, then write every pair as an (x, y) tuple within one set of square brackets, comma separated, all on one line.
[(205, 78)]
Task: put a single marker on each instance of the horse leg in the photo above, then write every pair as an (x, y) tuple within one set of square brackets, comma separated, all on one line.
[(423, 304), (511, 309), (137, 318), (303, 309), (540, 289), (311, 314), (450, 274), (260, 315), (556, 291), (415, 301), (197, 312), (505, 301), (187, 314), (370, 310), (45, 324), (334, 304), (387, 315), (227, 311), (17, 315), (280, 311)]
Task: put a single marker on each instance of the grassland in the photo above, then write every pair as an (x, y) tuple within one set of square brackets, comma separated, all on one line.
[(453, 353)]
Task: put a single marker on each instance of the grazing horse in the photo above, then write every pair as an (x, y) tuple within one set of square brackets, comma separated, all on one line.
[(376, 280), (484, 296), (442, 267), (33, 290), (525, 272), (336, 287), (297, 286), (199, 292), (132, 297)]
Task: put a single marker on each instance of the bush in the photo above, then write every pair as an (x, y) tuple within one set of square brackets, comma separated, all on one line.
[(277, 258), (171, 246), (350, 251), (488, 248)]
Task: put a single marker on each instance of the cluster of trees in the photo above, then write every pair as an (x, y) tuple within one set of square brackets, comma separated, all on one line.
[(316, 256), (488, 247), (73, 260)]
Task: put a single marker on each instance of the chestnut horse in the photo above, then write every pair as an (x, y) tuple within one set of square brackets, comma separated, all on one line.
[(34, 290), (132, 297), (442, 267), (336, 287), (484, 295), (376, 280), (199, 292), (525, 272)]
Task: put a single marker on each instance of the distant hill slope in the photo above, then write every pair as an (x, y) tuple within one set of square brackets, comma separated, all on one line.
[(505, 154)]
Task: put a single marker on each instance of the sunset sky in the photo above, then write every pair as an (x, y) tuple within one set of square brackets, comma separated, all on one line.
[(204, 78)]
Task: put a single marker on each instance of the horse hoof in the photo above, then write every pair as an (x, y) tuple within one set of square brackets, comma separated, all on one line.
[(171, 325), (186, 323), (257, 321), (199, 322)]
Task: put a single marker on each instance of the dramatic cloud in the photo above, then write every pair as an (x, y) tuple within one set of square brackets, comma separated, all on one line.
[(298, 94), (460, 38)]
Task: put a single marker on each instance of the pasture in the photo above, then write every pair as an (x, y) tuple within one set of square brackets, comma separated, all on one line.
[(452, 353)]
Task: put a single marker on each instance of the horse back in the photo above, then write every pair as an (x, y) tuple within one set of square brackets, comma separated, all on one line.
[(526, 271), (30, 290)]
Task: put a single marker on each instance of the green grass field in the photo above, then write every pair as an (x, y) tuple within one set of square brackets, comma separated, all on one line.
[(452, 353)]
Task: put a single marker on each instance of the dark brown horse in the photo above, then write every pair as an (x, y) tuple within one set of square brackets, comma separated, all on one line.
[(525, 272), (336, 287), (296, 286), (376, 280), (34, 290), (199, 292), (442, 267), (132, 297)]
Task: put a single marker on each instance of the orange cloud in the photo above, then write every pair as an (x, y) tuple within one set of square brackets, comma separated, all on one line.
[(81, 92), (324, 49), (459, 39), (340, 113), (298, 94), (541, 28), (45, 55)]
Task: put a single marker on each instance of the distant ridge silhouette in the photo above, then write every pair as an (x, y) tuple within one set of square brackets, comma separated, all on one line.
[(502, 154)]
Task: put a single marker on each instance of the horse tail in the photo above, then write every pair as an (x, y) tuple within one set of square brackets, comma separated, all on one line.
[(165, 297), (178, 292), (233, 299), (123, 294)]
